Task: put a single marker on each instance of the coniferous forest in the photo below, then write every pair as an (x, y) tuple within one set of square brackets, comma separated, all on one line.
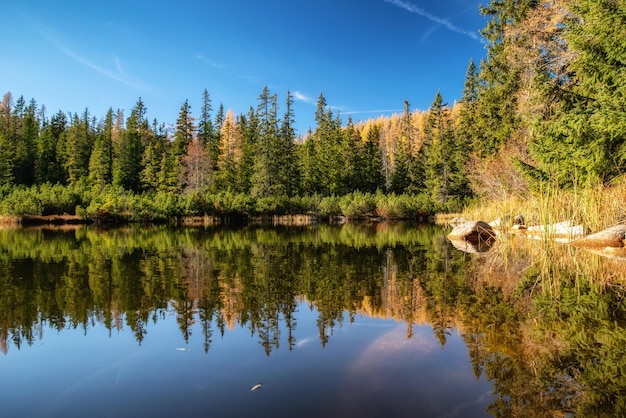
[(546, 105)]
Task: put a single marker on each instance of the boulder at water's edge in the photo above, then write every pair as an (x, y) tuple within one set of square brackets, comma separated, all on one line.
[(473, 231)]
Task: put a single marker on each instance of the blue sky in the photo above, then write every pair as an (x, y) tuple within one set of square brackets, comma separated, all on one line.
[(365, 56)]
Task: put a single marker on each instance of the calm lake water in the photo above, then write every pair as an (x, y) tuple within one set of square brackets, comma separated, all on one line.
[(383, 320)]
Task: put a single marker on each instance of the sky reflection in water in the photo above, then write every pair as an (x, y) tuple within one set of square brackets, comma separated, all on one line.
[(369, 368)]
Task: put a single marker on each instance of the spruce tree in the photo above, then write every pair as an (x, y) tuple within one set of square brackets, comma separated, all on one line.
[(101, 160), (130, 149), (265, 175), (287, 164), (583, 137)]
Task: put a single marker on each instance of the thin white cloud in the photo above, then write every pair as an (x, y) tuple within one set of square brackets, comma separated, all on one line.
[(302, 97), (118, 65), (118, 76), (436, 19), (80, 59), (206, 61)]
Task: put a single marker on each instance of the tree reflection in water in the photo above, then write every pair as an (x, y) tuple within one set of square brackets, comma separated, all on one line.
[(545, 326)]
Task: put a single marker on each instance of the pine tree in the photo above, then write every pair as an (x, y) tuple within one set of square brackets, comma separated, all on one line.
[(352, 150), (30, 136), (307, 155), (437, 150), (101, 160), (249, 126), (328, 160), (500, 75), (50, 166), (288, 167), (206, 130), (185, 129), (264, 178), (407, 176), (582, 136), (205, 125), (373, 178), (78, 145), (219, 121), (130, 149), (6, 161)]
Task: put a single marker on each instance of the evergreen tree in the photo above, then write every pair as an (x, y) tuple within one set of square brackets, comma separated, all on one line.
[(101, 160), (372, 173), (6, 161), (407, 176), (30, 136), (129, 154), (249, 126), (219, 121), (22, 132), (328, 160), (499, 77), (307, 156), (582, 137), (467, 126), (265, 175), (205, 125), (78, 145), (183, 136), (206, 130), (288, 167), (185, 129), (352, 151), (437, 149), (48, 164)]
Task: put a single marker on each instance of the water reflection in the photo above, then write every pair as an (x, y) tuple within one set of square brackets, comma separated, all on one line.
[(545, 326)]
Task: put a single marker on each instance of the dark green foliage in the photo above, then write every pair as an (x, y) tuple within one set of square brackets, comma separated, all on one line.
[(128, 153), (101, 160), (585, 137)]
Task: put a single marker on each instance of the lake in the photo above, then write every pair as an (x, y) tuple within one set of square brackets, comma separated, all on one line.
[(367, 320)]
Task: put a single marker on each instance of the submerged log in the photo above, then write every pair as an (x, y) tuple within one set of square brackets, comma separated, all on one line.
[(561, 231), (475, 232), (610, 237)]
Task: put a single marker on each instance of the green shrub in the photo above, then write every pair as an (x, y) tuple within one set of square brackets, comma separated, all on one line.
[(230, 203), (358, 205), (22, 201), (329, 206), (272, 205)]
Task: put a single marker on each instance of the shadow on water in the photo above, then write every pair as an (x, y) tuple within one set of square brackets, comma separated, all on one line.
[(544, 326)]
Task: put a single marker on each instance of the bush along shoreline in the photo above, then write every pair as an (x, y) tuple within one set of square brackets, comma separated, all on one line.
[(58, 204)]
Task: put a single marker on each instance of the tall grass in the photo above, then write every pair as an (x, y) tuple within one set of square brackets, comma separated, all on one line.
[(596, 207), (544, 264)]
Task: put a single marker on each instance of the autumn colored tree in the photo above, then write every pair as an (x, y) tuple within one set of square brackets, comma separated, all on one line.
[(197, 165), (231, 140)]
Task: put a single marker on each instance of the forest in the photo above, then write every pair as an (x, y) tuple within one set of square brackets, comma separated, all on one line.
[(547, 105)]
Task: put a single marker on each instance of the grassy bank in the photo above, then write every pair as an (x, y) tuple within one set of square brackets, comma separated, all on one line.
[(596, 207)]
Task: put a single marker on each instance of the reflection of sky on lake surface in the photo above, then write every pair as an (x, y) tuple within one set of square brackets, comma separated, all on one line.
[(368, 368)]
